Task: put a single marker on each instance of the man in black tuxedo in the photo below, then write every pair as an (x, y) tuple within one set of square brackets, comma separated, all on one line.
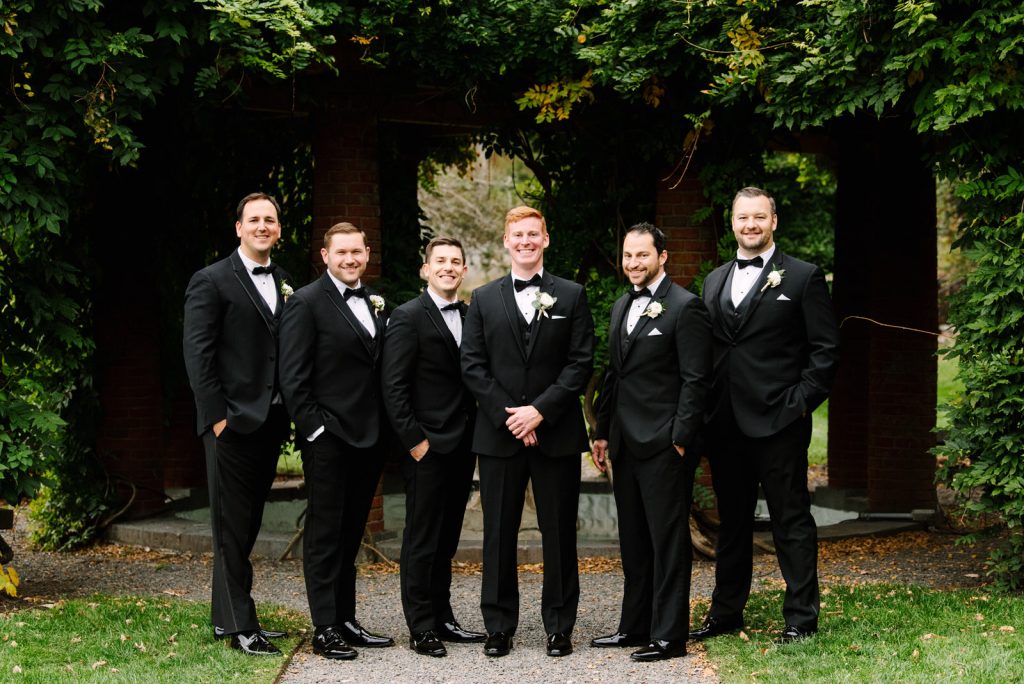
[(331, 334), (527, 353), (232, 309), (432, 414), (776, 347), (650, 412)]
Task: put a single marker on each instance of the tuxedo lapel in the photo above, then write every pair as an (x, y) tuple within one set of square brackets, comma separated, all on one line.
[(242, 276), (508, 301), (437, 320), (759, 290), (641, 325), (547, 285), (331, 291), (615, 337), (718, 280)]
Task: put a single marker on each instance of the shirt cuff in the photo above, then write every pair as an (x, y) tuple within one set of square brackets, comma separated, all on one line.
[(316, 433)]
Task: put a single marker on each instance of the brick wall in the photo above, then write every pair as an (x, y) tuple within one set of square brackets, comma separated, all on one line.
[(689, 243)]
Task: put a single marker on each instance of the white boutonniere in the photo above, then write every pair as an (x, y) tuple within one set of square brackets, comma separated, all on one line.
[(286, 290), (654, 309), (774, 278), (377, 302), (542, 301)]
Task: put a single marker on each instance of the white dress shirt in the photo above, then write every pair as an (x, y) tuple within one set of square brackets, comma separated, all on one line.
[(745, 278), (524, 298), (636, 309), (264, 282), (452, 318), (360, 306)]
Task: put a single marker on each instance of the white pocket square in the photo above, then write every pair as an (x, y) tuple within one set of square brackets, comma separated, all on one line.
[(782, 298), (654, 332), (556, 317)]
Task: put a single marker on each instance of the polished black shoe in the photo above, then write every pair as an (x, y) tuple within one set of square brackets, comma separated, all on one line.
[(659, 650), (427, 643), (716, 626), (453, 631), (329, 643), (253, 643), (498, 644), (357, 636), (559, 645), (619, 640), (792, 633), (219, 633)]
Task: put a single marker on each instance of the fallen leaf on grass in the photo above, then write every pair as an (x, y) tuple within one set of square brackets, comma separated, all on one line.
[(173, 639), (124, 638), (140, 646), (1007, 628), (743, 635), (16, 669), (929, 635), (76, 639), (98, 664), (915, 654)]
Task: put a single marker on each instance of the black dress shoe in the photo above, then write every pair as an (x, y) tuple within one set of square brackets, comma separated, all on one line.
[(253, 643), (498, 644), (793, 633), (356, 635), (427, 643), (620, 639), (453, 631), (559, 645), (659, 649), (715, 626), (219, 633), (329, 643)]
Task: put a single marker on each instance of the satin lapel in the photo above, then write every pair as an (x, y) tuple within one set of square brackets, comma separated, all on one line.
[(280, 297), (242, 276), (437, 319), (547, 285), (645, 321), (346, 313), (508, 301), (619, 310), (378, 325), (716, 296), (759, 289)]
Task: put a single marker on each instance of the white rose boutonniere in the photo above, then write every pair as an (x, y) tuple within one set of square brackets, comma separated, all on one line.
[(774, 278), (542, 301), (654, 309), (377, 302), (286, 290)]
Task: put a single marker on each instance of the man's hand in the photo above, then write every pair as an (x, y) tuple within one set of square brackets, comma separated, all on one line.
[(600, 453), (420, 450), (219, 426), (680, 450), (522, 420), (530, 439)]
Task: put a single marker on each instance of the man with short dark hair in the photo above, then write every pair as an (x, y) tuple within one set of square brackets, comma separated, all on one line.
[(232, 308), (650, 412), (331, 336), (432, 414)]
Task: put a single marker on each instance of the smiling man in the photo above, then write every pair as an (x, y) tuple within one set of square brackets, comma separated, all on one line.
[(330, 378), (527, 353), (432, 413), (650, 412)]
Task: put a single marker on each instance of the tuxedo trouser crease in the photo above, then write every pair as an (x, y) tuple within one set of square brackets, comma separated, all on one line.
[(556, 489), (340, 483), (779, 463), (436, 491), (652, 496), (240, 469)]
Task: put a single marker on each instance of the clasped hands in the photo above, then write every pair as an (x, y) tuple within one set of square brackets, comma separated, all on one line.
[(522, 423)]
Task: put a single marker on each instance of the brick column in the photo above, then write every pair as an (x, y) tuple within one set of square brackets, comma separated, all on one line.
[(689, 242)]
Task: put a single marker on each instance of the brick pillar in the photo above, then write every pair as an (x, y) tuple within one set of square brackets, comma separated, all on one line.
[(346, 187), (882, 409)]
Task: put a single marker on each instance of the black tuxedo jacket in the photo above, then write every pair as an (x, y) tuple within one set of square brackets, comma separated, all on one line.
[(330, 366), (776, 359), (501, 371), (230, 345), (656, 386), (421, 378)]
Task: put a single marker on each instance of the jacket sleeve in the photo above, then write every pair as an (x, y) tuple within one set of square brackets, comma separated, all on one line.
[(823, 342), (476, 368), (201, 333), (693, 351), (398, 371), (297, 344)]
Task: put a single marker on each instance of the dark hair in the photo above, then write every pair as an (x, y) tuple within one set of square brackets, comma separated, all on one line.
[(441, 242), (252, 197), (657, 234), (751, 192), (342, 228)]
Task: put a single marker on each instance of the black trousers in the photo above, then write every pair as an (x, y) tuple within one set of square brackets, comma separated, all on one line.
[(239, 471), (653, 498), (556, 490), (779, 464), (436, 490), (340, 483)]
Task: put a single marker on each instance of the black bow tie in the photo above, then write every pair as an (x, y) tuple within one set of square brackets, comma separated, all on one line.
[(521, 285), (454, 306), (355, 292), (260, 270), (642, 292), (756, 261)]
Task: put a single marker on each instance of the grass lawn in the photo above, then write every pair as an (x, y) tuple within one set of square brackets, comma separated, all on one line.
[(131, 639), (881, 633)]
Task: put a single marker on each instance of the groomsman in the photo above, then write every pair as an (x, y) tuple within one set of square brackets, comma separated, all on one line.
[(330, 378), (527, 353), (432, 414), (651, 409), (232, 309), (775, 352)]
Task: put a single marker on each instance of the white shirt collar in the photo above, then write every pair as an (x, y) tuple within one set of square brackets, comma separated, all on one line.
[(766, 255), (342, 286), (440, 301), (515, 277), (653, 286), (249, 263)]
